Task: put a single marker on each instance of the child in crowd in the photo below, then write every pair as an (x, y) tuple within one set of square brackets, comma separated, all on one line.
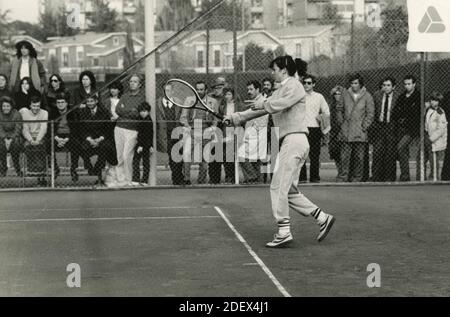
[(144, 147), (436, 128)]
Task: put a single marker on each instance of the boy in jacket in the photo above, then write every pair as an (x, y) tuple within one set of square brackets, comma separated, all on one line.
[(144, 147)]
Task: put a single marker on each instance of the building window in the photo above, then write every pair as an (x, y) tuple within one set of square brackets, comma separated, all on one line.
[(80, 53), (298, 49), (257, 3), (116, 41), (52, 52), (157, 60), (318, 48), (65, 59), (200, 59), (65, 56), (217, 58), (96, 61)]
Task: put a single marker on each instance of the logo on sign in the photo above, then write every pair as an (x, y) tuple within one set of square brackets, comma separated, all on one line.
[(432, 22)]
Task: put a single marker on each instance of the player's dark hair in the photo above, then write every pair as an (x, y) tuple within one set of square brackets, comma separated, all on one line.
[(285, 62), (256, 84), (302, 67)]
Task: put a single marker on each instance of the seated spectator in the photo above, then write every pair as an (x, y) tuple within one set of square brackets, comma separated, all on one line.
[(95, 137), (66, 133), (144, 146), (56, 86), (436, 134), (22, 98), (10, 135), (4, 91), (34, 134), (87, 85)]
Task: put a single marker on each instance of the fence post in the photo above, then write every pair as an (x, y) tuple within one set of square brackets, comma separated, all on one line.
[(207, 49), (236, 160), (235, 69), (422, 115), (52, 153), (150, 77)]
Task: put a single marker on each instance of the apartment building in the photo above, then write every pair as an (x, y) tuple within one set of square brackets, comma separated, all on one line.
[(276, 14), (125, 8)]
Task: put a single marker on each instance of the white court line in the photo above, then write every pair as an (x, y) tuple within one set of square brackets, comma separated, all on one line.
[(254, 255), (106, 219), (105, 208)]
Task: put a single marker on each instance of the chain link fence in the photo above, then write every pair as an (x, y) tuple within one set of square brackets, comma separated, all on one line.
[(110, 136)]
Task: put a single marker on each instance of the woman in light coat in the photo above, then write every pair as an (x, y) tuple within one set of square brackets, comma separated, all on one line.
[(436, 128)]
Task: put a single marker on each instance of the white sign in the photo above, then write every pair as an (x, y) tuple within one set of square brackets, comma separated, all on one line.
[(429, 25)]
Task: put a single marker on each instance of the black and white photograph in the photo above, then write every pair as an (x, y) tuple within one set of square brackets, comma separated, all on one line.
[(224, 153)]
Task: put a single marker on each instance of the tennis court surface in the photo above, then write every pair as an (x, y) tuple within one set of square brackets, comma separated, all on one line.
[(210, 242)]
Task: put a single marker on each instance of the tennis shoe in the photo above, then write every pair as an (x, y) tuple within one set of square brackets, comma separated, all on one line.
[(280, 241), (325, 228)]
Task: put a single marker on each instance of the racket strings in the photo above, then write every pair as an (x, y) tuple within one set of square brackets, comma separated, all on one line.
[(182, 95)]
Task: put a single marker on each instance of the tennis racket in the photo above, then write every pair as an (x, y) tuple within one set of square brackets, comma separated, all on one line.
[(185, 96)]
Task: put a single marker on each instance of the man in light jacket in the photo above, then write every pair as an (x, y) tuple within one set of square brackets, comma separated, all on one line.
[(355, 113)]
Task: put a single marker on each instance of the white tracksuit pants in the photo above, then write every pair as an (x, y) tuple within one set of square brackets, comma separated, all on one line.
[(125, 144), (284, 192)]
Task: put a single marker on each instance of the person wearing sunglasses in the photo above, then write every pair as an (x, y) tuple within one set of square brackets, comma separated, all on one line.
[(316, 106), (55, 87)]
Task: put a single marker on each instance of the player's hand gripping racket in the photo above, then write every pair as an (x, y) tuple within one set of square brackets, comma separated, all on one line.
[(185, 96)]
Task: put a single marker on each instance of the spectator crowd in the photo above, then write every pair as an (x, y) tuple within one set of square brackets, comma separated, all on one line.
[(118, 129)]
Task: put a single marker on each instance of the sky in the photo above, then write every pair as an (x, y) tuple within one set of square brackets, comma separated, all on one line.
[(24, 10)]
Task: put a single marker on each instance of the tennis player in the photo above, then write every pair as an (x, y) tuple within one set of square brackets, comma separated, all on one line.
[(287, 106)]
